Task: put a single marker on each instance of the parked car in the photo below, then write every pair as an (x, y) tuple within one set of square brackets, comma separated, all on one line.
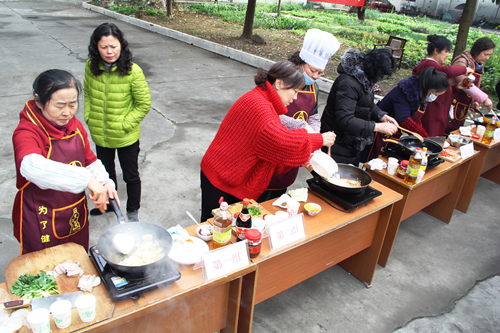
[(385, 7), (409, 10)]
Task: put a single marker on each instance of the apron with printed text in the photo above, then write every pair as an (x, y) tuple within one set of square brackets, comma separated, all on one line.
[(50, 217), (460, 105), (300, 109)]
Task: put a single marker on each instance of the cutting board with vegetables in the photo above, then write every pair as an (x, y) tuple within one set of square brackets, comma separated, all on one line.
[(450, 155), (46, 260), (236, 208)]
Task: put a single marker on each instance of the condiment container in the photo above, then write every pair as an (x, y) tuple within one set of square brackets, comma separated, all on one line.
[(39, 320), (401, 171), (61, 311), (254, 238), (86, 307)]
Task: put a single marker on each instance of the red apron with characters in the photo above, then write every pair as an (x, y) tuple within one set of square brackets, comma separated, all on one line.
[(49, 217), (300, 109), (460, 104), (379, 147)]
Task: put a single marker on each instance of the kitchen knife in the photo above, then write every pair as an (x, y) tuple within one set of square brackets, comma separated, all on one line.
[(46, 302), (11, 305)]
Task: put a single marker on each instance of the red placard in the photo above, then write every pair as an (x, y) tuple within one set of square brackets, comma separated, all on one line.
[(356, 3)]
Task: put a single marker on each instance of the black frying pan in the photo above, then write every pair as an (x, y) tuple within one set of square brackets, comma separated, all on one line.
[(349, 172), (411, 143)]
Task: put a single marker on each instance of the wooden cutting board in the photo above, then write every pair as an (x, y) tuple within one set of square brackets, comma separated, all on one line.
[(236, 208), (455, 155), (46, 260)]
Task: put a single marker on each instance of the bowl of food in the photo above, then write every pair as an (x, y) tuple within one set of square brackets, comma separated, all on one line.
[(458, 140), (205, 232), (312, 209)]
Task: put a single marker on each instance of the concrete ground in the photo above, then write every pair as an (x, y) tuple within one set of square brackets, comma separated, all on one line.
[(440, 277)]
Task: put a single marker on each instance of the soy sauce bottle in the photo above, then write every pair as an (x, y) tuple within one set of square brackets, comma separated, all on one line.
[(243, 221)]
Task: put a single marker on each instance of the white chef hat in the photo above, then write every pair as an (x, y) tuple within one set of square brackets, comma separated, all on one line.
[(318, 47)]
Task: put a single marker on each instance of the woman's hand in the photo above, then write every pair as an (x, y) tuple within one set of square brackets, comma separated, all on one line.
[(100, 194), (488, 103), (461, 86), (308, 166), (469, 71), (389, 119), (328, 138), (386, 128), (309, 129)]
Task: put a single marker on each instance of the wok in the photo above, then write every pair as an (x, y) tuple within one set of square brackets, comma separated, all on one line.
[(137, 230), (410, 143), (350, 172)]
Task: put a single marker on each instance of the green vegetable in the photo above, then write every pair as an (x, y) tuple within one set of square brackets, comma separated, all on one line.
[(254, 211), (35, 286)]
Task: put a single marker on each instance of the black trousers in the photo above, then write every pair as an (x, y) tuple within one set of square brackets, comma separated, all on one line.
[(210, 196), (129, 162)]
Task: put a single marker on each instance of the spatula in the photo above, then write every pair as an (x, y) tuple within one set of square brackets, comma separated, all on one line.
[(418, 136)]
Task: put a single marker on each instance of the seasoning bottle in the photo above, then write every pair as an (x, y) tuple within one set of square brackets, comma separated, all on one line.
[(423, 165), (469, 80), (413, 167), (254, 238), (222, 227), (401, 171), (243, 221), (488, 132)]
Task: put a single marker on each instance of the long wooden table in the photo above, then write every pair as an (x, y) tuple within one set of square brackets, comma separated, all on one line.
[(437, 194), (352, 240), (486, 165)]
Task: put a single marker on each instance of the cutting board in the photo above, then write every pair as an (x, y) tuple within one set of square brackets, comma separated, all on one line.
[(46, 260), (455, 155), (236, 208)]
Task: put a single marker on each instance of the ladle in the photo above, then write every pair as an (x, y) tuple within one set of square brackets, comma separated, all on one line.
[(203, 231), (418, 136)]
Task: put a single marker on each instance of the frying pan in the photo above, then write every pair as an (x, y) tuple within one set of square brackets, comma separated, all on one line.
[(487, 118), (350, 172), (137, 230), (410, 143)]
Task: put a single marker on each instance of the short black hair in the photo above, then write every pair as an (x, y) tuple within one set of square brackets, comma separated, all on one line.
[(378, 64), (48, 82), (296, 59), (437, 42), (431, 79), (284, 70), (480, 45)]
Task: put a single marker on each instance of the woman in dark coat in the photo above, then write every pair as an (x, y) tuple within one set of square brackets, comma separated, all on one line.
[(350, 111)]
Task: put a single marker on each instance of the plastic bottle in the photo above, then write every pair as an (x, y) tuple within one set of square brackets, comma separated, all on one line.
[(413, 167), (423, 165), (401, 171), (222, 227), (488, 132), (243, 221)]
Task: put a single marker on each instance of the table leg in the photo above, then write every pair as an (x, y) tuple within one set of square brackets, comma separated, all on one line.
[(471, 180), (493, 174), (392, 230), (247, 302)]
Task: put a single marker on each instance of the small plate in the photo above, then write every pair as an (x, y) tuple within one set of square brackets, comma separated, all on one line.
[(188, 251)]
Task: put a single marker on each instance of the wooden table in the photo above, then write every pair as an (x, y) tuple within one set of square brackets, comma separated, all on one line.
[(188, 305), (352, 240), (486, 165), (437, 194)]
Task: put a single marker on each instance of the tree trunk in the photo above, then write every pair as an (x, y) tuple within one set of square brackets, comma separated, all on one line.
[(249, 17), (361, 13), (279, 8), (169, 8), (463, 28)]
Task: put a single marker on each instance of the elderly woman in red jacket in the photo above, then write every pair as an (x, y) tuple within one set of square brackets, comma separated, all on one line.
[(251, 144)]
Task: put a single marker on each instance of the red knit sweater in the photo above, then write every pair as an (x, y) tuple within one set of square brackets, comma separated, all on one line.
[(251, 145)]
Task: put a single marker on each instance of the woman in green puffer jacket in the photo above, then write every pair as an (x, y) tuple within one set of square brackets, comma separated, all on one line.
[(117, 98)]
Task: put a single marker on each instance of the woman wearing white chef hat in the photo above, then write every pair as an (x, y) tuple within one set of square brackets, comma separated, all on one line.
[(317, 48)]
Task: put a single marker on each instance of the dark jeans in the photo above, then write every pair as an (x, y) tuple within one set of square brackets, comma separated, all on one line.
[(271, 194), (210, 196), (129, 162)]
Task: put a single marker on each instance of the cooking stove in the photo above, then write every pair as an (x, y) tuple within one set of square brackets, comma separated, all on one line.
[(400, 154), (346, 201), (123, 285)]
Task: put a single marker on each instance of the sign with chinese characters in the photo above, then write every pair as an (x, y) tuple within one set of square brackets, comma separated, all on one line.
[(496, 134), (286, 232), (225, 260), (467, 150)]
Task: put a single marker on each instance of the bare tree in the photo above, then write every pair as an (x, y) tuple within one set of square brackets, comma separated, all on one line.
[(279, 7), (249, 17), (169, 8)]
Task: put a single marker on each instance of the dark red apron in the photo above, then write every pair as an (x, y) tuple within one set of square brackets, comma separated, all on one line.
[(379, 147), (300, 109), (460, 103), (50, 217)]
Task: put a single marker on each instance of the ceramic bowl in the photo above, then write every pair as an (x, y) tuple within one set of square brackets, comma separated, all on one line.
[(323, 164), (207, 227), (312, 209)]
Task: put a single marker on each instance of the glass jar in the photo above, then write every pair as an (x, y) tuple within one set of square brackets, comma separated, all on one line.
[(401, 171), (254, 238)]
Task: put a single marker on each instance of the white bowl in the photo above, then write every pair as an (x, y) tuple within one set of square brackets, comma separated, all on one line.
[(259, 224), (323, 164), (312, 208), (205, 238)]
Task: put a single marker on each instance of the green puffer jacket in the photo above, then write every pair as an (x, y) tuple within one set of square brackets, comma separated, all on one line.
[(115, 105)]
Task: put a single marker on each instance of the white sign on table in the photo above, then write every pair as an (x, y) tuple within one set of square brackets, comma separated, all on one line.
[(225, 260), (286, 232), (467, 150), (496, 134)]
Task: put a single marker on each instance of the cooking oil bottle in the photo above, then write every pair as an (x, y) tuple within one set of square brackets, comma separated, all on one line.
[(488, 132), (222, 227), (413, 167)]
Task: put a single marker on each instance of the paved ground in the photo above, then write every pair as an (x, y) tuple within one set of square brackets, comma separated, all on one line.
[(440, 277)]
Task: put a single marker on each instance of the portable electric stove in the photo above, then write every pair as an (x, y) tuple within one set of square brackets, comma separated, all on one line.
[(346, 201), (123, 285), (400, 154)]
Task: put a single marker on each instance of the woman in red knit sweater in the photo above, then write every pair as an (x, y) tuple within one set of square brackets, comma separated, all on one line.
[(435, 118), (251, 144)]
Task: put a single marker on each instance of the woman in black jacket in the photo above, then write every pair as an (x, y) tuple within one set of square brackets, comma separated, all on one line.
[(350, 110)]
